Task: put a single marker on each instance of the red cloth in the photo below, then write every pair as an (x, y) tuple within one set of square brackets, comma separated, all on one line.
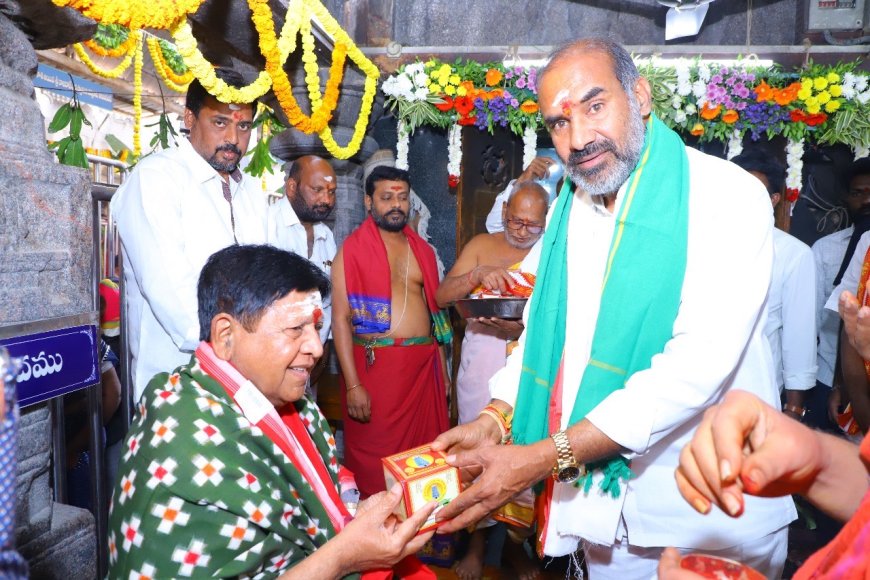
[(847, 556), (368, 282), (110, 316), (409, 408)]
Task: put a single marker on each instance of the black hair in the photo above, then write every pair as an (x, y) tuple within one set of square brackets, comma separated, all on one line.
[(859, 167), (196, 93), (243, 281), (623, 65), (385, 173), (762, 162)]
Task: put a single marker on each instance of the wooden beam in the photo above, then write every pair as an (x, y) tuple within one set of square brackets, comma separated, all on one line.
[(122, 88)]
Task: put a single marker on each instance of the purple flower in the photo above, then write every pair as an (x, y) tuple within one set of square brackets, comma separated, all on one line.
[(508, 74), (730, 81), (742, 92), (715, 80), (515, 103), (521, 83)]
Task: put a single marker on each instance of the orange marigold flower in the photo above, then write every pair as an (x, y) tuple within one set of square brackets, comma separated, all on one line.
[(493, 77), (697, 130), (710, 113), (529, 107), (730, 116), (763, 92)]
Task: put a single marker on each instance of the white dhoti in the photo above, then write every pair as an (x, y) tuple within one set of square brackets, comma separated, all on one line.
[(483, 354)]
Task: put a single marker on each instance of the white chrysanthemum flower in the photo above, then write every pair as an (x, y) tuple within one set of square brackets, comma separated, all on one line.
[(699, 89), (677, 101), (680, 116), (421, 79), (415, 68), (860, 82), (863, 97), (704, 72), (861, 151), (421, 94), (735, 144), (691, 109)]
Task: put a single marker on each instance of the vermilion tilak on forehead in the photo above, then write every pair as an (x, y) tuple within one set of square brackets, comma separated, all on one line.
[(565, 105), (237, 116), (318, 315)]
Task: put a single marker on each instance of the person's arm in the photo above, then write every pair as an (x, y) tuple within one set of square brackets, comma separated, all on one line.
[(799, 333), (374, 540), (855, 383), (358, 399), (150, 223), (461, 279), (746, 446)]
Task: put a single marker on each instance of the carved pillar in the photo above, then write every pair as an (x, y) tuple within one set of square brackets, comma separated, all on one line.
[(45, 274)]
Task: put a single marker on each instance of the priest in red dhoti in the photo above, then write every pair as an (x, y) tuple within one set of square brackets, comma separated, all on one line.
[(388, 332)]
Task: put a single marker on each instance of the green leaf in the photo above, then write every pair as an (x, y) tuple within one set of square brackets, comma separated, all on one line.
[(61, 118), (115, 144)]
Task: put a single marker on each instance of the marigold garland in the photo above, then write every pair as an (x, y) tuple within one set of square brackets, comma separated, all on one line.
[(122, 49), (137, 95), (359, 130), (134, 14), (177, 83), (105, 73)]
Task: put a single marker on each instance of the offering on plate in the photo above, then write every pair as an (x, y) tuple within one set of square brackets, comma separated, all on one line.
[(425, 476), (718, 568)]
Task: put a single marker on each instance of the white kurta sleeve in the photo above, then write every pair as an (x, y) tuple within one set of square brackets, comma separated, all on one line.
[(852, 275), (728, 272), (798, 323), (493, 218), (150, 223)]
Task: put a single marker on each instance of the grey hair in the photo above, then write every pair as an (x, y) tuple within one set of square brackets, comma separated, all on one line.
[(623, 65), (532, 186)]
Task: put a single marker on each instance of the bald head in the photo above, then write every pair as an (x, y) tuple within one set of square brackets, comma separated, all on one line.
[(310, 188), (524, 214)]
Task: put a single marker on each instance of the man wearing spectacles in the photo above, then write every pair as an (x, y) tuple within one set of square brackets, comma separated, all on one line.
[(484, 266)]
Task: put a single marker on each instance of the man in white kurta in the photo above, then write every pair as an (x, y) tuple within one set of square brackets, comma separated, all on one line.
[(176, 209), (791, 301), (296, 220), (717, 344)]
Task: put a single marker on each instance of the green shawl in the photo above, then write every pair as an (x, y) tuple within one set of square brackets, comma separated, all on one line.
[(640, 295)]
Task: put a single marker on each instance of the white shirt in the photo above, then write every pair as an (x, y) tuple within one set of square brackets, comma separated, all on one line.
[(288, 233), (852, 275), (791, 313), (717, 345), (172, 215), (828, 253)]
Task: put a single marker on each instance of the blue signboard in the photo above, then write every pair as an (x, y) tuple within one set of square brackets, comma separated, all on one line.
[(58, 81), (54, 363)]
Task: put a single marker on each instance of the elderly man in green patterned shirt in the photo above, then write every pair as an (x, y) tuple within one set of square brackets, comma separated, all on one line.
[(229, 469)]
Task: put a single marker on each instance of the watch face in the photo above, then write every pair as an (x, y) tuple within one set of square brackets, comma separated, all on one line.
[(568, 474)]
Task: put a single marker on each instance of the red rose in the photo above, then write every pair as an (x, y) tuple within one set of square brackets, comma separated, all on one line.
[(453, 180), (797, 116), (791, 194)]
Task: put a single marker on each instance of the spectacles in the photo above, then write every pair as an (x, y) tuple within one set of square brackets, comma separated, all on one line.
[(517, 225), (856, 193)]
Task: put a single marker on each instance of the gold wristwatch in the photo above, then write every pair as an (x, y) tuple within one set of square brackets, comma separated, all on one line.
[(567, 470)]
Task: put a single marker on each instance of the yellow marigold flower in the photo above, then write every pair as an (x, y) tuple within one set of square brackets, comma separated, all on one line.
[(833, 77), (832, 106), (454, 79), (805, 94), (836, 90), (430, 63), (823, 97), (450, 90), (445, 69), (812, 101), (461, 91), (807, 84), (820, 83), (434, 88), (814, 108)]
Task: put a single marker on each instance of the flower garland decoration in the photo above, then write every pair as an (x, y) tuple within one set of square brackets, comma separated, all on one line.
[(454, 154), (402, 145), (204, 71), (530, 146), (371, 83), (137, 96), (175, 82), (735, 145), (134, 14), (112, 73), (111, 40), (794, 171)]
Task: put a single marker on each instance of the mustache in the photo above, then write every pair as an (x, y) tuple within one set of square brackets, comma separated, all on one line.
[(593, 148), (229, 147), (395, 212)]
